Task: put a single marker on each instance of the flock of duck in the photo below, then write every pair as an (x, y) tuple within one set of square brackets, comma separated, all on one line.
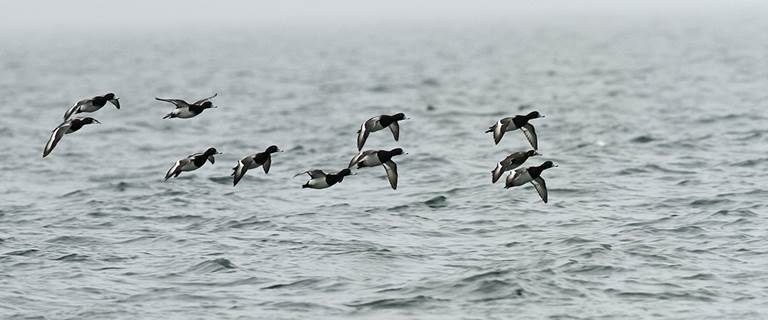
[(318, 179)]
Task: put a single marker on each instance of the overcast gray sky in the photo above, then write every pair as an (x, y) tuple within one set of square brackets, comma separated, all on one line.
[(56, 14)]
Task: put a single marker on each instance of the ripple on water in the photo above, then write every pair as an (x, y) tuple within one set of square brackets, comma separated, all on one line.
[(304, 283), (249, 223), (79, 240), (211, 266), (736, 212), (437, 202), (649, 168), (643, 139), (396, 303), (699, 203), (72, 257), (751, 162), (221, 180), (23, 252)]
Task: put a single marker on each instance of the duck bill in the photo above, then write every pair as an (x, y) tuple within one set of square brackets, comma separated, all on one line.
[(115, 102)]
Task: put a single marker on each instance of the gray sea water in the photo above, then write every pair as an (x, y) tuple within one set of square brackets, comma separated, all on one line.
[(657, 209)]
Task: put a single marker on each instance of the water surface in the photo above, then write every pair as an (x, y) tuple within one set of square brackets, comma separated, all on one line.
[(656, 211)]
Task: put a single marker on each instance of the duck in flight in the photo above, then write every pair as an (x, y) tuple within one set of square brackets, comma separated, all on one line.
[(379, 123), (192, 162), (186, 110), (514, 123), (92, 104), (531, 174), (69, 126), (321, 180), (261, 159), (372, 158), (512, 161)]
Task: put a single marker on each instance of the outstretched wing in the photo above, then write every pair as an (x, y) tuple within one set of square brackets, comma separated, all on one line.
[(175, 168), (56, 136), (541, 188), (355, 159), (530, 133), (395, 130), (312, 173), (267, 164), (391, 168), (362, 135), (74, 108), (240, 171), (206, 99), (176, 102), (497, 172), (498, 131), (115, 102)]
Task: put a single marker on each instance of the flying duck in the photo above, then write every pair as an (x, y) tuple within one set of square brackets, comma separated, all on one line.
[(512, 161), (263, 159), (92, 104), (514, 123), (186, 110), (69, 126), (321, 180), (531, 174), (372, 158), (378, 123), (192, 162)]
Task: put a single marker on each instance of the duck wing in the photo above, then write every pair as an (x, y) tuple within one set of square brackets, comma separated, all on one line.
[(56, 136), (176, 168), (360, 157), (497, 172), (541, 188), (498, 130), (241, 169), (206, 99), (530, 133), (176, 102), (313, 174), (395, 128), (362, 135), (391, 168), (267, 164)]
